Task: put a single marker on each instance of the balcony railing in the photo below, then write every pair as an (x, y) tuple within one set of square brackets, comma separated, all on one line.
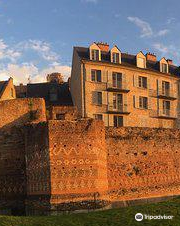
[(163, 113), (119, 88), (121, 109), (164, 94)]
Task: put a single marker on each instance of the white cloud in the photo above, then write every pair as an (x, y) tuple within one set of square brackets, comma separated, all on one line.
[(43, 48), (170, 20), (161, 48), (168, 51), (146, 29), (90, 1), (163, 32), (8, 53), (21, 73)]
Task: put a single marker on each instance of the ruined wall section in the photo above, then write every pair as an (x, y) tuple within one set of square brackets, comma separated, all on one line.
[(37, 169), (78, 162), (14, 114), (20, 111), (143, 162), (12, 171)]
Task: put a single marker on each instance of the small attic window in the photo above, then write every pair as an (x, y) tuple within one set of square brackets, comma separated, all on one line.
[(164, 66), (115, 58), (95, 54), (141, 60), (115, 55)]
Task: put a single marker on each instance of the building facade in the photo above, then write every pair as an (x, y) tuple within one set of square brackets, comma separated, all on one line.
[(123, 89), (7, 90)]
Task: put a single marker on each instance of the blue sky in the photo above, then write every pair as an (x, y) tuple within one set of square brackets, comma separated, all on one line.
[(37, 36)]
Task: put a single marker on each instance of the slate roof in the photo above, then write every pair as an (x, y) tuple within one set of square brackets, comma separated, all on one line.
[(126, 60), (3, 85), (42, 90)]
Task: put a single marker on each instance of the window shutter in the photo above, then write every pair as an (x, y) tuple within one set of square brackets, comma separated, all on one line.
[(105, 119), (149, 83), (88, 74), (104, 75), (125, 102), (109, 77), (135, 80), (124, 83), (110, 99), (94, 97), (150, 103), (136, 101), (104, 97)]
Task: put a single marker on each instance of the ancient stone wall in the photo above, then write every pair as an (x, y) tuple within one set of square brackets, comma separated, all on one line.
[(78, 162), (143, 162), (37, 169), (14, 114), (20, 111)]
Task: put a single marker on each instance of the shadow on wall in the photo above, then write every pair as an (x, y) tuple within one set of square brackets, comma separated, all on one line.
[(26, 118)]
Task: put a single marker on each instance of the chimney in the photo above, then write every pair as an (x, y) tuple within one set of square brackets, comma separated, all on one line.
[(104, 47), (151, 57), (170, 62)]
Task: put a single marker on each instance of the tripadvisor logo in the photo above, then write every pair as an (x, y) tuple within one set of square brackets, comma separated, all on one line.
[(138, 217)]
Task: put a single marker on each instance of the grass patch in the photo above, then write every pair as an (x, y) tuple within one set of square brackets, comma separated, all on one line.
[(114, 217)]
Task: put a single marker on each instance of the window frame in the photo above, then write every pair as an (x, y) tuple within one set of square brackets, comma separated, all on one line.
[(95, 76), (141, 82), (115, 58), (95, 55), (99, 98), (143, 102)]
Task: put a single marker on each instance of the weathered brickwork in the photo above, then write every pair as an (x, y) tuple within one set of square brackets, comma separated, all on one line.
[(20, 111), (60, 165), (13, 115), (143, 162)]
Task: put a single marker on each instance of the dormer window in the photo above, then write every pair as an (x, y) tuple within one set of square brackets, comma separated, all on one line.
[(164, 66), (115, 58), (95, 54), (115, 55), (141, 60)]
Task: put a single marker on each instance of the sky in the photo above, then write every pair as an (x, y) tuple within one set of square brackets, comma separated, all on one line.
[(37, 36)]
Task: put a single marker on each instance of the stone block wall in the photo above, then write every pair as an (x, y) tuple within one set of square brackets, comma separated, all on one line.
[(143, 162)]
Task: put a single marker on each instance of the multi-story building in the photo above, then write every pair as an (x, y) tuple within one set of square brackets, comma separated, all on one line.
[(124, 89)]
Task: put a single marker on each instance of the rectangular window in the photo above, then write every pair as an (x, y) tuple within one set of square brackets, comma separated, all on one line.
[(115, 58), (95, 54), (164, 68), (117, 79), (166, 107), (142, 82), (98, 116), (96, 75), (143, 102), (118, 102), (165, 88), (99, 98), (118, 121)]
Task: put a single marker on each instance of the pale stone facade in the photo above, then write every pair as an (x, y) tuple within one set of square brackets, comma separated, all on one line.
[(121, 93)]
